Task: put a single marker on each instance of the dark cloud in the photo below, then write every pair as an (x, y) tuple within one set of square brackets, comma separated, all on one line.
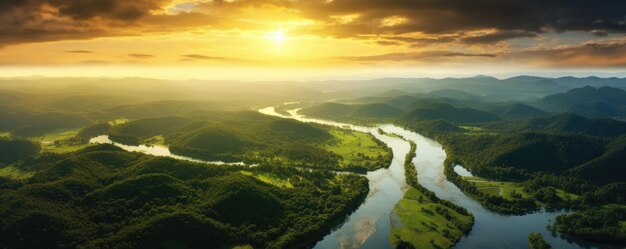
[(498, 36), (25, 21), (141, 56), (441, 20), (417, 41), (599, 33), (601, 54), (417, 56), (447, 16), (31, 35)]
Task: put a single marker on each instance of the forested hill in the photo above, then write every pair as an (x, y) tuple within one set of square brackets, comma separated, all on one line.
[(588, 101), (103, 197)]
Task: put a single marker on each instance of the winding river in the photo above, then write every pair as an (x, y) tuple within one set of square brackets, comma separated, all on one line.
[(370, 225)]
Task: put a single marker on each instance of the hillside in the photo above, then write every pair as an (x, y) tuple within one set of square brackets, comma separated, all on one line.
[(448, 113), (102, 197), (516, 111), (588, 101), (454, 94), (532, 151), (568, 123), (607, 168), (336, 110)]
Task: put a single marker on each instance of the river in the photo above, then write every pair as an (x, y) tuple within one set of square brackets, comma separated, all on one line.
[(370, 226)]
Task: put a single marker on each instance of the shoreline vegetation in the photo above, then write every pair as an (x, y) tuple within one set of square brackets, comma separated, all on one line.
[(536, 241), (424, 220), (265, 139)]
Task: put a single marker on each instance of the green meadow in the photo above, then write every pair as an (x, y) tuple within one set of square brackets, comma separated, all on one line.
[(423, 223), (356, 148)]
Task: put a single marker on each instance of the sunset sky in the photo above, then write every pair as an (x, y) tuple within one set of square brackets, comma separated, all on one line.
[(302, 38)]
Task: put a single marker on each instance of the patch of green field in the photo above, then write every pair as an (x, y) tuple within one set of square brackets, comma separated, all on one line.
[(566, 195), (156, 140), (118, 121), (417, 221), (15, 173), (510, 190), (356, 148), (5, 134), (59, 141), (472, 128), (507, 190), (269, 179)]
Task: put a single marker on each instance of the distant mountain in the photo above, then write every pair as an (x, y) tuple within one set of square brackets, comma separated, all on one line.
[(376, 111), (516, 110), (448, 113), (591, 81), (392, 93), (454, 94), (402, 102), (588, 101)]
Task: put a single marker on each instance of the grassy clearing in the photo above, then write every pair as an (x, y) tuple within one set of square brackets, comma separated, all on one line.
[(419, 222), (510, 190), (269, 179), (156, 140), (507, 190), (356, 148), (471, 128), (59, 141), (5, 134), (118, 121), (15, 173)]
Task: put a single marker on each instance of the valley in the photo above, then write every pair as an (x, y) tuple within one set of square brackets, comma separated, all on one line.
[(444, 169)]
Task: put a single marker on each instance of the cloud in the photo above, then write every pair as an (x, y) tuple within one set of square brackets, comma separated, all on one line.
[(27, 21), (417, 41), (497, 36), (448, 29), (141, 56), (599, 33), (203, 57), (590, 54), (79, 52), (414, 56), (80, 19), (450, 16)]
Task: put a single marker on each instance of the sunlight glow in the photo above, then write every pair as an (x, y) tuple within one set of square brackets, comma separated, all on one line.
[(278, 37)]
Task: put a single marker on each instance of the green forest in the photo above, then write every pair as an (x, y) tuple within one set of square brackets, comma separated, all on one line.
[(298, 181), (103, 197)]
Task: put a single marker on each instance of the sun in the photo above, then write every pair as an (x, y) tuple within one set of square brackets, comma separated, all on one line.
[(278, 37)]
